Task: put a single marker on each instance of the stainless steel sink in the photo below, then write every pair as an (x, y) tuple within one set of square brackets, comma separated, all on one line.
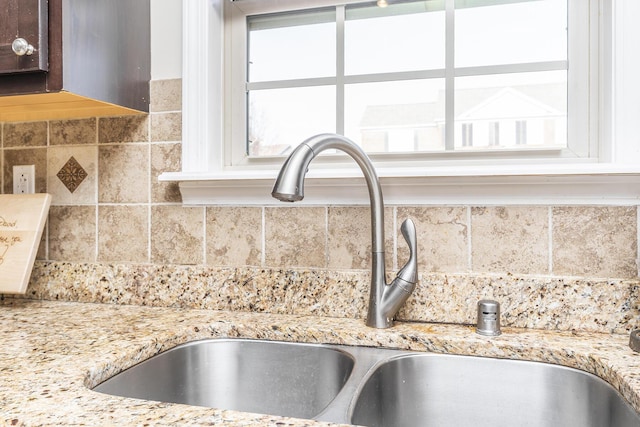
[(444, 390), (297, 380), (373, 387)]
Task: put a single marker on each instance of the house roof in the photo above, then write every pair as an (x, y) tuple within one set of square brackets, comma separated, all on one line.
[(550, 96)]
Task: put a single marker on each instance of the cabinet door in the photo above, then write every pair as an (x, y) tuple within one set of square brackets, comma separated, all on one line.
[(26, 19)]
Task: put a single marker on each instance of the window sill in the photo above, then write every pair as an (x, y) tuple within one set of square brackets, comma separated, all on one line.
[(581, 184)]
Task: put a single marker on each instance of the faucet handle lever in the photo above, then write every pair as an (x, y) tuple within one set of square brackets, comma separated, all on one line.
[(409, 273)]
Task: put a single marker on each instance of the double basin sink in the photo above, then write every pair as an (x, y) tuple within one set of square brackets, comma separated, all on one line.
[(372, 386)]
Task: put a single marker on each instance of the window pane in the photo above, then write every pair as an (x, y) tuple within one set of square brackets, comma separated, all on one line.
[(396, 116), (491, 32), (292, 46), (282, 118), (387, 114), (400, 37), (509, 110)]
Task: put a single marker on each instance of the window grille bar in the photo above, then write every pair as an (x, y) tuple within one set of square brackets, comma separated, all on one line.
[(340, 59), (449, 140)]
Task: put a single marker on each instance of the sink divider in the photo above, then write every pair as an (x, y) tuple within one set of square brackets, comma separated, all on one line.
[(366, 360)]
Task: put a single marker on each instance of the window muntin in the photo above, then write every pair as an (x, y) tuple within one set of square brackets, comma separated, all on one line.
[(433, 134)]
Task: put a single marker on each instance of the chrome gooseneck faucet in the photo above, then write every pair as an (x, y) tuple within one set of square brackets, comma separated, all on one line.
[(384, 299)]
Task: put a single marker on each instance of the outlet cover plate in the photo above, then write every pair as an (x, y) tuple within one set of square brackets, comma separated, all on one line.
[(24, 179)]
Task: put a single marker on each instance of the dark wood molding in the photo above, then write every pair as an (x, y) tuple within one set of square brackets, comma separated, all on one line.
[(54, 81)]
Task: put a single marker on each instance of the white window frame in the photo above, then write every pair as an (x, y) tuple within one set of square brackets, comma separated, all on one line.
[(610, 177)]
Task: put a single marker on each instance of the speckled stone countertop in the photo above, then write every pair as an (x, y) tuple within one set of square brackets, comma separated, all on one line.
[(51, 353), (554, 303)]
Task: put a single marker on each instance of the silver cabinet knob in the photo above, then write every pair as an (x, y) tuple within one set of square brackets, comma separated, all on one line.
[(21, 47)]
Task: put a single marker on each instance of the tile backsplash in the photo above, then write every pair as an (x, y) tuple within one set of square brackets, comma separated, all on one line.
[(119, 213)]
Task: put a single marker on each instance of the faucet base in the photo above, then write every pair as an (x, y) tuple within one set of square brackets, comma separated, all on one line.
[(379, 322)]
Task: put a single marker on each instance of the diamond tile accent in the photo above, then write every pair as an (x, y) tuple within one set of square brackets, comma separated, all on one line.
[(72, 174)]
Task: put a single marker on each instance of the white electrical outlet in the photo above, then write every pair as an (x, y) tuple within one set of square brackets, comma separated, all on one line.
[(24, 179)]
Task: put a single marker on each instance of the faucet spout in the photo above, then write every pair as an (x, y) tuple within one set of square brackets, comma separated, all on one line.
[(384, 300)]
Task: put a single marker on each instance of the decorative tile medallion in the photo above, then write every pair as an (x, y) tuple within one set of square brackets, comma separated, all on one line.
[(72, 174)]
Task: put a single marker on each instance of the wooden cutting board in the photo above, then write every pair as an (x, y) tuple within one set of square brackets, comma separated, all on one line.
[(22, 219)]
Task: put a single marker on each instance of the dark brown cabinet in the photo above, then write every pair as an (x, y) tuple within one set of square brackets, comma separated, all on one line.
[(86, 58), (38, 22), (23, 21)]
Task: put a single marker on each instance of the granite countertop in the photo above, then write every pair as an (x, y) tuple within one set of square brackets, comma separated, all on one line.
[(51, 353)]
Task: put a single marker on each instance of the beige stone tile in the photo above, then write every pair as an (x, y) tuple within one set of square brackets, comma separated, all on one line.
[(72, 233), (165, 158), (86, 190), (234, 236), (166, 95), (25, 134), (166, 127), (26, 156), (349, 237), (295, 237), (443, 238), (124, 173), (512, 239), (595, 241), (123, 234), (123, 129), (72, 132), (177, 235)]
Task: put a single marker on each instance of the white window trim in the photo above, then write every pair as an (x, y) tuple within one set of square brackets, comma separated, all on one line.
[(205, 179)]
